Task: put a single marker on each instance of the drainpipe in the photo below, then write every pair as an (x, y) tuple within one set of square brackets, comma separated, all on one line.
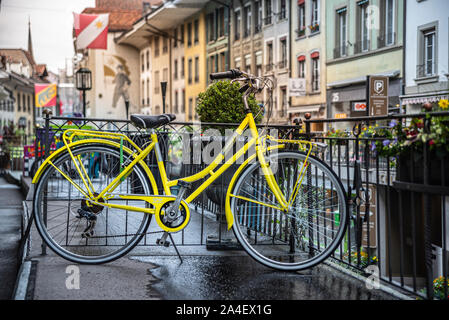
[(290, 9), (404, 46)]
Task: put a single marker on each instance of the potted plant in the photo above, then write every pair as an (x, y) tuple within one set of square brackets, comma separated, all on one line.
[(222, 103)]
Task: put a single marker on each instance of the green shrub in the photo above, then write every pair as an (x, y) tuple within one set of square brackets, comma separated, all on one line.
[(222, 102)]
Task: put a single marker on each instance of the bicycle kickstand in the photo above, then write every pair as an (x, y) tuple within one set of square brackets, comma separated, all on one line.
[(163, 242)]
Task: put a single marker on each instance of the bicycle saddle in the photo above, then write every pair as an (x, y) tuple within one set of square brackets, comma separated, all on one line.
[(146, 122)]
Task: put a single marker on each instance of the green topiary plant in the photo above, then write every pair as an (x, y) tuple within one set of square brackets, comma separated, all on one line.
[(222, 102)]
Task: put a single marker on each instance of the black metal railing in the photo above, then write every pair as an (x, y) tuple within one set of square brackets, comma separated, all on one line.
[(398, 202), (428, 69)]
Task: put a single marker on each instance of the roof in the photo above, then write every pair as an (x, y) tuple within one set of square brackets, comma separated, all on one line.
[(119, 19), (17, 56)]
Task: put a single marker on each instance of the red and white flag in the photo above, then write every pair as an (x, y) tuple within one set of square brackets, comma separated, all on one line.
[(91, 30)]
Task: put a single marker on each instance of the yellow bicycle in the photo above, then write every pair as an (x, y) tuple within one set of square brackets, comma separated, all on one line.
[(95, 197)]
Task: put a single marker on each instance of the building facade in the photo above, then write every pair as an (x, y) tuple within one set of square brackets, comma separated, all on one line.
[(363, 38), (195, 61), (308, 60), (276, 43), (426, 54)]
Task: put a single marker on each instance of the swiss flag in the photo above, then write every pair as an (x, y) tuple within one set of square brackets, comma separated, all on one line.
[(91, 30)]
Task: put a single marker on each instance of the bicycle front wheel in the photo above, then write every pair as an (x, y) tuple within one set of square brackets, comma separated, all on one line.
[(96, 234), (312, 227)]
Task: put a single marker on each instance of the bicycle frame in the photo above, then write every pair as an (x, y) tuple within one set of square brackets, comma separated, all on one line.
[(158, 200)]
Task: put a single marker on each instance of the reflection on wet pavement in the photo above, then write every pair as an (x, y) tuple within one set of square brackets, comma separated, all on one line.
[(237, 277)]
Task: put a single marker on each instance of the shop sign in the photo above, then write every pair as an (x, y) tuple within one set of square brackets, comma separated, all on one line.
[(378, 95)]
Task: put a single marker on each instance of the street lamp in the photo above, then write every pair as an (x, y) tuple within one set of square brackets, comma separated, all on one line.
[(83, 83)]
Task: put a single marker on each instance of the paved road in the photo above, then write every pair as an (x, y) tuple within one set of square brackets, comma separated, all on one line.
[(10, 224)]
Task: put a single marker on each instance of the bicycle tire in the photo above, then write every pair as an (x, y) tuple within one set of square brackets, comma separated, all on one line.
[(44, 230), (267, 235)]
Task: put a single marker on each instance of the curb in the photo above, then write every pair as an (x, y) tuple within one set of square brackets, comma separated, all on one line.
[(21, 286), (383, 287)]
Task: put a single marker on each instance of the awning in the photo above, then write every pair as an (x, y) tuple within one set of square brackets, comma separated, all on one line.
[(302, 58), (300, 2), (347, 82), (423, 99), (164, 18), (304, 109), (315, 55)]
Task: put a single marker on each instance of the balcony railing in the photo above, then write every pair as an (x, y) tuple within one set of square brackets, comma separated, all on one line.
[(426, 70), (237, 36), (269, 67), (257, 28), (386, 39), (362, 46), (340, 52), (267, 20), (283, 64)]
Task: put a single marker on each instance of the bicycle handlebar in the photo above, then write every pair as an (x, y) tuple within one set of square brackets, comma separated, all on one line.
[(231, 74)]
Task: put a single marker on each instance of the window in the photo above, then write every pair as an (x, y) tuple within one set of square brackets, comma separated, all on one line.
[(156, 46), (387, 34), (164, 45), (259, 63), (165, 74), (156, 82), (143, 92), (341, 30), (19, 106), (269, 66), (237, 63), (183, 100), (268, 12), (315, 71), (182, 34), (210, 27), (197, 69), (190, 109), (175, 69), (429, 52), (175, 36), (282, 9), (142, 58), (247, 21), (284, 102), (283, 53), (362, 43), (28, 104), (189, 34), (182, 67), (221, 26), (148, 91), (196, 31), (189, 70), (237, 20), (257, 17), (389, 19), (176, 102), (301, 19), (248, 63), (148, 60), (315, 16), (222, 62), (302, 66)]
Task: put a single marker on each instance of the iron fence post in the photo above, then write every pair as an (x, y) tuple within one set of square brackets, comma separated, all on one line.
[(427, 217)]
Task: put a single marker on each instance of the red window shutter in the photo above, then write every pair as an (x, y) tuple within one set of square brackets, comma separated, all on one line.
[(300, 2), (302, 58), (315, 55)]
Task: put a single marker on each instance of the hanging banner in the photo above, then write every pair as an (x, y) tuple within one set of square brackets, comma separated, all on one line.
[(297, 87), (45, 95)]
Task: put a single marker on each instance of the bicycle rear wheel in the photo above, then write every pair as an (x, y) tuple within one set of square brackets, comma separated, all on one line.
[(67, 230), (311, 229)]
